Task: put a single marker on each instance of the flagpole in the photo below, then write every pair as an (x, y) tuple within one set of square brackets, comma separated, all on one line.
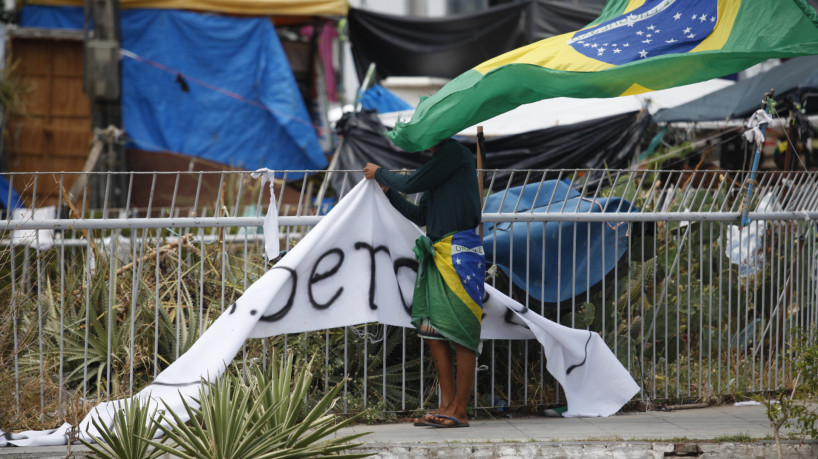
[(480, 151), (767, 105)]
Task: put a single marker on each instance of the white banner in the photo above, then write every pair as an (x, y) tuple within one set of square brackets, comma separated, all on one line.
[(357, 266)]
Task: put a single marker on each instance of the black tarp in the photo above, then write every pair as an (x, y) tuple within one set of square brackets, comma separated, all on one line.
[(602, 143), (548, 18), (792, 79), (448, 46)]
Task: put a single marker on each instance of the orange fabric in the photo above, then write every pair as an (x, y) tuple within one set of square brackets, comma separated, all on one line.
[(248, 7)]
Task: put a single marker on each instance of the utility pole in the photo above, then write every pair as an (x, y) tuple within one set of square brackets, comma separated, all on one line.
[(102, 82)]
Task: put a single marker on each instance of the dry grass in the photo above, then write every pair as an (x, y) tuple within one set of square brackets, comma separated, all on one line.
[(41, 405)]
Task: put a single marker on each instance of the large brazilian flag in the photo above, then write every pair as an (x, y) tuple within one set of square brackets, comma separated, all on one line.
[(449, 288), (634, 46)]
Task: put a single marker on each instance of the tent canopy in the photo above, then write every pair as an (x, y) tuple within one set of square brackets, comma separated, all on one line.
[(792, 79), (533, 254), (612, 144), (248, 7), (383, 100), (206, 85)]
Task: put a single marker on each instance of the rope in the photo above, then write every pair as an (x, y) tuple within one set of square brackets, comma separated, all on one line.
[(254, 103), (373, 338), (792, 146), (693, 144)]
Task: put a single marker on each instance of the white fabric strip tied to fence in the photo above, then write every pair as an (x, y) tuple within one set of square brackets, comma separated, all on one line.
[(744, 245), (272, 243), (357, 266), (754, 134)]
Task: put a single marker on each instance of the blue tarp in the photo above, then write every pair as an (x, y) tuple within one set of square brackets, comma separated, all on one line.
[(9, 197), (383, 100), (210, 86), (577, 255)]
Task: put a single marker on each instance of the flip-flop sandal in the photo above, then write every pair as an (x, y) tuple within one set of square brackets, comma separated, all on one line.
[(420, 421), (455, 422)]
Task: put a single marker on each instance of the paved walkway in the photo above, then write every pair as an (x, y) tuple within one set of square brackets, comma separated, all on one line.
[(630, 435), (696, 424), (649, 434)]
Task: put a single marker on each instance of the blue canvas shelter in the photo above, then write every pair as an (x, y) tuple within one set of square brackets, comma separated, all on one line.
[(560, 260), (206, 85)]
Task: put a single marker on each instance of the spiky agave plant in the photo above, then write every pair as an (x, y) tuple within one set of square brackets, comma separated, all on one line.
[(264, 417), (127, 437)]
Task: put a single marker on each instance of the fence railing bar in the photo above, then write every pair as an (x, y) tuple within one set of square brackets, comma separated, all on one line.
[(534, 204), (708, 390), (520, 197), (128, 194), (672, 268), (798, 189), (553, 194), (87, 272), (807, 192), (179, 318), (666, 196), (812, 187), (312, 220), (713, 194), (14, 316), (110, 316), (219, 193), (61, 262), (487, 190), (197, 194), (239, 193)]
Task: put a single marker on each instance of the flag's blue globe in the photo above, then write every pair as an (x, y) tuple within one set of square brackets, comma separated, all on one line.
[(656, 28)]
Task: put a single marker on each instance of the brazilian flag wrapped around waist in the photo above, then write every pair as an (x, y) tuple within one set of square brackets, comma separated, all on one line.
[(449, 288), (633, 47)]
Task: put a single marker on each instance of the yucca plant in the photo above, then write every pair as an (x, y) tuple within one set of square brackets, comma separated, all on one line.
[(132, 426), (264, 417)]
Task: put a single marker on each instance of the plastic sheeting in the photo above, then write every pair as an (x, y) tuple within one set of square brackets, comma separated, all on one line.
[(9, 197), (383, 100), (789, 79), (254, 7), (607, 142), (549, 18), (210, 86), (744, 245), (448, 46), (555, 261), (440, 47)]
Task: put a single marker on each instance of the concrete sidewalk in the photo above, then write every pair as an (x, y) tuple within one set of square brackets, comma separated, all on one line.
[(630, 435), (637, 435)]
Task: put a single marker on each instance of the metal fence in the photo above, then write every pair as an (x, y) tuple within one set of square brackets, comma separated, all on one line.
[(96, 302)]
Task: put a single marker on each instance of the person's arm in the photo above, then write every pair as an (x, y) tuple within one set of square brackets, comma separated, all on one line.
[(414, 213), (430, 175)]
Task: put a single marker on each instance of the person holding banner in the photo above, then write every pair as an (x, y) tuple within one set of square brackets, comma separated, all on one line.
[(447, 306)]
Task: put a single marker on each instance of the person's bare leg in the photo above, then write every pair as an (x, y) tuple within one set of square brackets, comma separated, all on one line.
[(466, 362), (444, 364)]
